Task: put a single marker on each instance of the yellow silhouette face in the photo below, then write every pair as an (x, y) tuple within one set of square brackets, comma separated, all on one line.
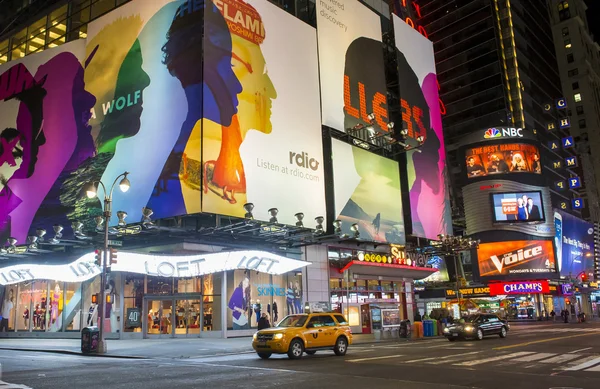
[(255, 100)]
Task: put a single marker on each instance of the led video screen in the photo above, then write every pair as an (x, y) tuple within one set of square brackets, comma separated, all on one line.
[(517, 207), (502, 159)]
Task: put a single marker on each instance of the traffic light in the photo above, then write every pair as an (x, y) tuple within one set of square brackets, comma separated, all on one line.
[(109, 299), (94, 299), (112, 255), (98, 257), (583, 277)]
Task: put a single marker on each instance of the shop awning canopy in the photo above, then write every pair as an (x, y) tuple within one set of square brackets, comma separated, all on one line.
[(388, 270), (178, 266)]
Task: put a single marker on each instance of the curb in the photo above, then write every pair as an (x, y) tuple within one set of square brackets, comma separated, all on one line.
[(69, 352)]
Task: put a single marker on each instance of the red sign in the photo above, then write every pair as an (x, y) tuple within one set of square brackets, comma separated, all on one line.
[(520, 287)]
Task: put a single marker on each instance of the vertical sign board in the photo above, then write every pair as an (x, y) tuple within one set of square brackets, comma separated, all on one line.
[(419, 99)]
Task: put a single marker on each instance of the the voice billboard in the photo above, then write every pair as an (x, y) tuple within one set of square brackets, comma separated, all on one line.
[(528, 258)]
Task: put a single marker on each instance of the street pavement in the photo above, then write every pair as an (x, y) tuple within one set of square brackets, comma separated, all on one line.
[(540, 356)]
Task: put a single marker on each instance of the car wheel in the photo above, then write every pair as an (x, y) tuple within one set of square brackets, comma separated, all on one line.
[(503, 332), (451, 339), (341, 346), (479, 334), (296, 349), (310, 352), (264, 355)]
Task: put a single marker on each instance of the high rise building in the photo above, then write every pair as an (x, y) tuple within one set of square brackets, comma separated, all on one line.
[(578, 57), (496, 67)]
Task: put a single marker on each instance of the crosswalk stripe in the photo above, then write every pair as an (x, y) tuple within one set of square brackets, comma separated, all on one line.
[(440, 359), (373, 358), (561, 358), (583, 365), (499, 358), (595, 368), (535, 357)]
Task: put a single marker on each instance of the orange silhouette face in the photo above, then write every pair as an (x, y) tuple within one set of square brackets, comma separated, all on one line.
[(255, 100)]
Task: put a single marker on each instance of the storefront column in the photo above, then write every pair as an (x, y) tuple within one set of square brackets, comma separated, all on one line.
[(317, 274), (122, 311)]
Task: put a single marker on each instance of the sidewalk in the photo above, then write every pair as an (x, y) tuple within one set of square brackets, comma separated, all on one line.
[(171, 348)]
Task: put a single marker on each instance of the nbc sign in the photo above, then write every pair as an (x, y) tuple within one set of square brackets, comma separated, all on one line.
[(500, 132)]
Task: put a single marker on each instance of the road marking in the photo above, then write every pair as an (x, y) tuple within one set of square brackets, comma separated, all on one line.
[(445, 359), (8, 385), (561, 358), (493, 359), (535, 357), (576, 351), (597, 368), (242, 367), (437, 358), (583, 365), (373, 358), (543, 341)]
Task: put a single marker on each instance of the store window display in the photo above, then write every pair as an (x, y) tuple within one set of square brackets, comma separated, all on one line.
[(72, 312), (40, 305), (133, 295), (24, 306), (7, 309)]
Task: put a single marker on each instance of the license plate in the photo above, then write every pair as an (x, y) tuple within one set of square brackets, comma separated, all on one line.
[(262, 344), (455, 334)]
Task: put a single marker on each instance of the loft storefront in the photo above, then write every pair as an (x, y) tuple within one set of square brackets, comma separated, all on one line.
[(210, 295), (373, 289)]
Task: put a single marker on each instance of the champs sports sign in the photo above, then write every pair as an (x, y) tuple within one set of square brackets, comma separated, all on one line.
[(523, 257), (523, 287)]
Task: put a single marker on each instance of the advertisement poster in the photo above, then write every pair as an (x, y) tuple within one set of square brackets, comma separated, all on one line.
[(261, 137), (526, 258), (503, 159), (574, 244), (517, 207), (419, 98), (367, 192), (351, 86)]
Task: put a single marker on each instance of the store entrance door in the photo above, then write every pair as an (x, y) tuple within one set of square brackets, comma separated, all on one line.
[(188, 317), (159, 317)]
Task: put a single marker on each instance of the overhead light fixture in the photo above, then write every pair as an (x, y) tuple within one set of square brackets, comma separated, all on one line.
[(249, 207), (355, 231), (99, 223), (421, 139), (371, 117), (404, 132), (77, 228), (146, 220), (299, 218), (273, 212), (40, 232), (390, 126), (90, 190), (57, 234), (319, 228), (32, 242), (124, 185), (337, 227), (121, 215), (12, 245)]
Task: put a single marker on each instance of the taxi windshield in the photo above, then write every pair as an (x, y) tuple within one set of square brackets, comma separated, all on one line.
[(293, 321)]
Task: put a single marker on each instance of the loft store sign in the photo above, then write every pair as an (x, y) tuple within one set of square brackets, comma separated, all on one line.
[(155, 265)]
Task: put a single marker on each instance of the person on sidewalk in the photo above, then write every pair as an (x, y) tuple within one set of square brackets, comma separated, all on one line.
[(263, 322), (553, 314)]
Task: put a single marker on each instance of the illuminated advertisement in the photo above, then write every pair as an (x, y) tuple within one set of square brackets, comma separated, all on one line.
[(524, 257), (574, 243), (268, 150), (502, 159), (522, 287), (517, 207), (351, 87), (420, 107), (367, 192)]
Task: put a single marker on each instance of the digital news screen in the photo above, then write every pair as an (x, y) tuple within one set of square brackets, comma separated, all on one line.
[(518, 207), (502, 159)]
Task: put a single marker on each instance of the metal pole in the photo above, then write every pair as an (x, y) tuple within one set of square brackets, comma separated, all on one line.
[(103, 279), (457, 283)]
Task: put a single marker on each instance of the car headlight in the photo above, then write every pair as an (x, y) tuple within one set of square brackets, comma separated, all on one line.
[(446, 330), (469, 328), (278, 336), (255, 336)]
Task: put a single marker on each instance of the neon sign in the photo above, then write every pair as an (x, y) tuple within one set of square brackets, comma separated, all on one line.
[(522, 287)]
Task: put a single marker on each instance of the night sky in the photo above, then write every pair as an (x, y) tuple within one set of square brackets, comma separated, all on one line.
[(593, 14)]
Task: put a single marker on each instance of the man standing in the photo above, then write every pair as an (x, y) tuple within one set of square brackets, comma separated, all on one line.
[(533, 210), (7, 307)]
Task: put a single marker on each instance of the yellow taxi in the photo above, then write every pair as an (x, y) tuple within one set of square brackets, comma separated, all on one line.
[(304, 333)]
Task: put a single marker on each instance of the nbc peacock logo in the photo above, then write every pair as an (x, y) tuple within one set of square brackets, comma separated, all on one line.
[(492, 133)]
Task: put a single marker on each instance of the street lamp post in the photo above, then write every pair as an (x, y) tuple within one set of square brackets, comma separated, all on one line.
[(91, 192)]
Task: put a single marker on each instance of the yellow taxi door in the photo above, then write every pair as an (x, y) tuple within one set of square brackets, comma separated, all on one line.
[(315, 334), (330, 330)]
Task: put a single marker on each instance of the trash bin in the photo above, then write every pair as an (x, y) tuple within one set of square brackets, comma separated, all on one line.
[(90, 337), (394, 333), (436, 327), (403, 329), (427, 328), (377, 334)]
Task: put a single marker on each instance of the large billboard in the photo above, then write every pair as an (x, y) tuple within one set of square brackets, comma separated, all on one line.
[(488, 160), (262, 140), (419, 99), (574, 243), (44, 112), (513, 259), (351, 65), (367, 192)]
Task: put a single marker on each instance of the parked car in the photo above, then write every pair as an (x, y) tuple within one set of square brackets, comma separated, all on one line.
[(304, 333), (476, 327)]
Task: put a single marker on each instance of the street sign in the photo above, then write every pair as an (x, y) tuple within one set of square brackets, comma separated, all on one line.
[(118, 243)]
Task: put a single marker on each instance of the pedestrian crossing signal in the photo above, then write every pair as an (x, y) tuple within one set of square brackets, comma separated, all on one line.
[(113, 255), (98, 257)]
